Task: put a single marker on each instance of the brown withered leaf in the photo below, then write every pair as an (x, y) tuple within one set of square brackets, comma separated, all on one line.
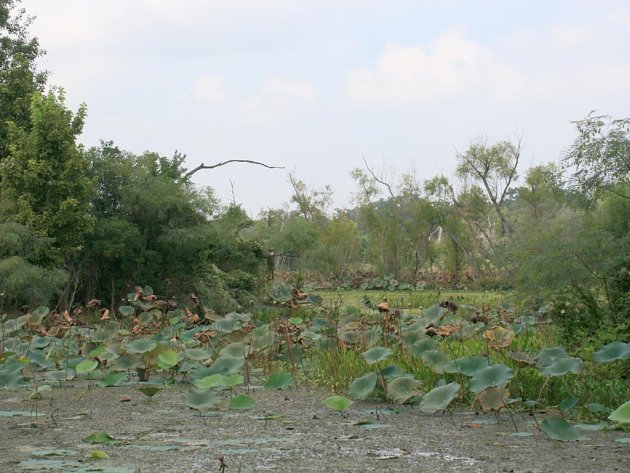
[(447, 330), (499, 337), (493, 399), (105, 314), (93, 303)]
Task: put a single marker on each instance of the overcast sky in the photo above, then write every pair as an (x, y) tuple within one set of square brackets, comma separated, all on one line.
[(313, 85)]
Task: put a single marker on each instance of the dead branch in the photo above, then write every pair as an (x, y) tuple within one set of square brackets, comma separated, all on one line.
[(212, 166), (379, 180)]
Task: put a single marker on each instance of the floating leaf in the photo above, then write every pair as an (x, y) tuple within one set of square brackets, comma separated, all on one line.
[(338, 403), (227, 365), (86, 366), (467, 365), (279, 381), (234, 349), (99, 437), (419, 347), (491, 376), (403, 388), (197, 354), (436, 359), (201, 399), (549, 356), (142, 345), (562, 366), (99, 454), (126, 310), (522, 359), (127, 362), (149, 390), (611, 352), (391, 372), (376, 354), (621, 414), (362, 387), (559, 429), (241, 402), (499, 337), (112, 379), (167, 359), (439, 398), (493, 399), (568, 403)]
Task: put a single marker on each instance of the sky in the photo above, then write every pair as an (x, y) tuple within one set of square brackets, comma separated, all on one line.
[(316, 86)]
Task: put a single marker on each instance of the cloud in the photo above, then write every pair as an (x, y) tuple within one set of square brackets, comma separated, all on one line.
[(451, 66), (210, 88), (570, 36), (278, 99)]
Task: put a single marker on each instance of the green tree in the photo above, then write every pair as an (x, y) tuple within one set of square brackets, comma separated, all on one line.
[(19, 78), (600, 155), (44, 177)]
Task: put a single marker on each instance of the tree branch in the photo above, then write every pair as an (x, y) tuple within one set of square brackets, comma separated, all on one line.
[(212, 166), (380, 181)]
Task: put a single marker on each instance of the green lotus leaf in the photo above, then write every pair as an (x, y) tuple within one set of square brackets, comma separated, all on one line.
[(112, 379), (549, 356), (559, 429), (338, 403), (202, 399), (149, 391), (167, 359), (489, 377), (467, 365), (376, 354), (99, 437), (126, 362), (126, 310), (568, 403), (197, 354), (279, 381), (142, 345), (9, 378), (434, 313), (562, 366), (403, 388), (521, 359), (234, 349), (621, 414), (227, 365), (362, 387), (241, 402), (439, 398), (419, 347), (391, 372), (435, 359), (611, 352), (86, 366)]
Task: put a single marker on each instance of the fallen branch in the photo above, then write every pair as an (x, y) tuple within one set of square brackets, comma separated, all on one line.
[(212, 166)]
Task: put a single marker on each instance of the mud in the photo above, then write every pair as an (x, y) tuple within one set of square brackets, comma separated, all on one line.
[(287, 431)]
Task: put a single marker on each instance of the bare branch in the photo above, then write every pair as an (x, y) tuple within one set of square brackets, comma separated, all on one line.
[(212, 166), (379, 180)]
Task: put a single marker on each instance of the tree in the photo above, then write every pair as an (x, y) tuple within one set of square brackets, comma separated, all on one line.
[(19, 79), (44, 177), (494, 167), (600, 155)]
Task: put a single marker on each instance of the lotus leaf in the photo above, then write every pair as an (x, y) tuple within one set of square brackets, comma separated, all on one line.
[(562, 366), (279, 381), (621, 414), (86, 366), (493, 399), (403, 388), (549, 356), (142, 345), (467, 365), (362, 387), (201, 399), (559, 429), (338, 403), (112, 379), (439, 398), (376, 354), (241, 402), (611, 352), (491, 376)]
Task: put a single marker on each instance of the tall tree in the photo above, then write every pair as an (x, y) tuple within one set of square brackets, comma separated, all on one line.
[(19, 78)]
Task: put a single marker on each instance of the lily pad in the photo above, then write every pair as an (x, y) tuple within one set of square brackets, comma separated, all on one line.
[(338, 403), (202, 399), (568, 403), (142, 345), (621, 414), (362, 387), (559, 429), (493, 399), (149, 391), (467, 365), (562, 366), (376, 354), (549, 356), (403, 388), (99, 437), (491, 376), (86, 366), (279, 381), (439, 398), (112, 379), (168, 359), (611, 352), (241, 402)]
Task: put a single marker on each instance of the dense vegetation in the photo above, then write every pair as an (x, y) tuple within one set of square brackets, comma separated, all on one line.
[(87, 228)]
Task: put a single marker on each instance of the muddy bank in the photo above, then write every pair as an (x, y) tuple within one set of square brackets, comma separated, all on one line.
[(286, 431)]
